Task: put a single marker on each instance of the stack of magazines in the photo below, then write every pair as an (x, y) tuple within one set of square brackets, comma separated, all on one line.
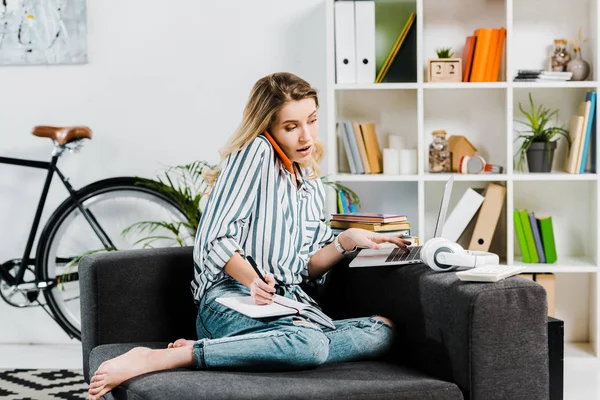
[(389, 224), (539, 75)]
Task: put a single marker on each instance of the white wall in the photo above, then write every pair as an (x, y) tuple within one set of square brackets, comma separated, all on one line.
[(165, 84)]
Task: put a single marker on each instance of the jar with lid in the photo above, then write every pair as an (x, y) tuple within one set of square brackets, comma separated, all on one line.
[(439, 153), (560, 57)]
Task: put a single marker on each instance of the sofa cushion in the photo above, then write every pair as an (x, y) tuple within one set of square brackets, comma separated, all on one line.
[(364, 380)]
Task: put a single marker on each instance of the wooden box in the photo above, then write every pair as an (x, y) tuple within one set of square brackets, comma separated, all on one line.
[(445, 70)]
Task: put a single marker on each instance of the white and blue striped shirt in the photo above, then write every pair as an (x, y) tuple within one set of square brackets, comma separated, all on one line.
[(256, 209)]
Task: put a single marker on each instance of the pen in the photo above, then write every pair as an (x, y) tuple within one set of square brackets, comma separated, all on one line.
[(278, 290), (255, 267)]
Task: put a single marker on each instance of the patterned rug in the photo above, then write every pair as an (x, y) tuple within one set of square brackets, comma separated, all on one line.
[(42, 384)]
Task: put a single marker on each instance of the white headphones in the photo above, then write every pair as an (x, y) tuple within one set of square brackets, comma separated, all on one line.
[(443, 255)]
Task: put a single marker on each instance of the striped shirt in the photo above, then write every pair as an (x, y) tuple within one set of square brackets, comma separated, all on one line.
[(255, 208)]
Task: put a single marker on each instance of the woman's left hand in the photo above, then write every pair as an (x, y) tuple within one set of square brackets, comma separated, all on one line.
[(362, 238)]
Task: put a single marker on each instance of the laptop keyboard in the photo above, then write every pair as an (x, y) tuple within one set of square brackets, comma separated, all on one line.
[(400, 254)]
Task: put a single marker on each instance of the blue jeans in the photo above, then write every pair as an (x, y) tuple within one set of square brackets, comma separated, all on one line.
[(231, 340)]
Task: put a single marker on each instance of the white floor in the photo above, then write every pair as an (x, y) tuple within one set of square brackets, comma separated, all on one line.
[(582, 379)]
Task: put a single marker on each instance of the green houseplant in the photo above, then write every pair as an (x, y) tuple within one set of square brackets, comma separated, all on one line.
[(540, 139), (185, 185), (444, 52)]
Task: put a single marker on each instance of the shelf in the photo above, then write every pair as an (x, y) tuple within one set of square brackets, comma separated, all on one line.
[(373, 178), (579, 351), (376, 86), (435, 177), (551, 84), (484, 177), (565, 264), (415, 178), (554, 176), (465, 85)]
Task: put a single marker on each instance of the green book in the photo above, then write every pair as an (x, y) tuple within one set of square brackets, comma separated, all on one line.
[(545, 224), (529, 236), (521, 236)]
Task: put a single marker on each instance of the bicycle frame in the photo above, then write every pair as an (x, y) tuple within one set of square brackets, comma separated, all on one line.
[(52, 169)]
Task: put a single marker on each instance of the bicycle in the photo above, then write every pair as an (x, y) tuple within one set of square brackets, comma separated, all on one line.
[(90, 219)]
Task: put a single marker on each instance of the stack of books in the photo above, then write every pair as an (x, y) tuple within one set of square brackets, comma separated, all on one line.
[(539, 75), (581, 157), (482, 55), (389, 224), (535, 236), (361, 146)]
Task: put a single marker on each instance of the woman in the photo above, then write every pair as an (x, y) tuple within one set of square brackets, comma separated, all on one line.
[(267, 203)]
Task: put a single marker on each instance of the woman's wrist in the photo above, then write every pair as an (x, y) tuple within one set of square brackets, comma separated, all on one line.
[(346, 242)]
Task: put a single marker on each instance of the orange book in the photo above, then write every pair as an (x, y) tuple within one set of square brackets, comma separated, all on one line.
[(491, 56), (498, 55), (484, 36), (467, 57), (372, 145)]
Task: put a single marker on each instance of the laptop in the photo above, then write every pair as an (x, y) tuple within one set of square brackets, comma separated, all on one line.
[(394, 255)]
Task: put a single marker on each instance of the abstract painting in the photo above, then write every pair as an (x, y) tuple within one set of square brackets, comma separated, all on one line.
[(43, 32)]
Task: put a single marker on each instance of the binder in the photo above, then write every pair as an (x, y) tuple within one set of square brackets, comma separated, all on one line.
[(345, 42), (364, 19), (403, 67), (493, 202), (461, 215)]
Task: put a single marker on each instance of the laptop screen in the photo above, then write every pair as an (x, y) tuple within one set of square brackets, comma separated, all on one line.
[(439, 225)]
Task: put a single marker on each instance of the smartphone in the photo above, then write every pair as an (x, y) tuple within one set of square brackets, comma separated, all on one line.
[(284, 159)]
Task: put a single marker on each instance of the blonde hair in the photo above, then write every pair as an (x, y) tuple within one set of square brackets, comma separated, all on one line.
[(268, 96)]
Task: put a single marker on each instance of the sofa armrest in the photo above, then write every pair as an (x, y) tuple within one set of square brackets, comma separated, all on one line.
[(488, 338), (136, 296)]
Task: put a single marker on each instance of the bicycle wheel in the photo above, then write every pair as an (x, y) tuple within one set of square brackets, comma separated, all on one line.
[(115, 204)]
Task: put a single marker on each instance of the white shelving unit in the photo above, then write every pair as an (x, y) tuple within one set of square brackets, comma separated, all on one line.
[(485, 112)]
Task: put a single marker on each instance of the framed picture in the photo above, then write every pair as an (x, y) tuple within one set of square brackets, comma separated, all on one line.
[(445, 70), (43, 32)]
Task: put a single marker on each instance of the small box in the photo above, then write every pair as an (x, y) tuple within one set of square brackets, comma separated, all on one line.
[(445, 70)]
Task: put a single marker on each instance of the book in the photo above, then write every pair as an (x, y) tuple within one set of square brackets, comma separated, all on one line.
[(547, 232), (369, 217), (280, 306), (537, 237), (529, 240), (521, 236), (395, 226)]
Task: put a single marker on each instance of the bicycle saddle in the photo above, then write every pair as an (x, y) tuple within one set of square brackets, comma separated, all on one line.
[(63, 135)]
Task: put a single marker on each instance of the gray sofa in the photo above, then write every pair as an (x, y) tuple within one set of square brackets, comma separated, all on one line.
[(455, 340)]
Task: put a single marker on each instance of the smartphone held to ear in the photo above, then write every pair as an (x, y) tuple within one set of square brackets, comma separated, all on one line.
[(284, 159)]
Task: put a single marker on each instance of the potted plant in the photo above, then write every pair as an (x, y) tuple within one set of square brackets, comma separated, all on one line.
[(444, 52), (540, 139)]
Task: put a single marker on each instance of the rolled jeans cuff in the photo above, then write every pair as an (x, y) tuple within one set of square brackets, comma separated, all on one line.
[(199, 354)]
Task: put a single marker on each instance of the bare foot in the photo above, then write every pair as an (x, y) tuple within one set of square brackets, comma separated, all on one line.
[(135, 362), (181, 343)]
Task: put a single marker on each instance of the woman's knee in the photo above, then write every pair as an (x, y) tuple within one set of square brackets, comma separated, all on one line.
[(310, 347)]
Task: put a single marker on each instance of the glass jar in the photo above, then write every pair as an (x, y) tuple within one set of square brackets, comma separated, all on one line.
[(439, 154), (560, 57)]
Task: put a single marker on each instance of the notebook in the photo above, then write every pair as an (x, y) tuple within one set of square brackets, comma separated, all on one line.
[(279, 307)]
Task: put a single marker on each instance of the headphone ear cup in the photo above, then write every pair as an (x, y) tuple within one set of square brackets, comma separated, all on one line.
[(440, 245)]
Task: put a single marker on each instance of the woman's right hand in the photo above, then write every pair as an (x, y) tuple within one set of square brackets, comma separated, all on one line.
[(261, 292)]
